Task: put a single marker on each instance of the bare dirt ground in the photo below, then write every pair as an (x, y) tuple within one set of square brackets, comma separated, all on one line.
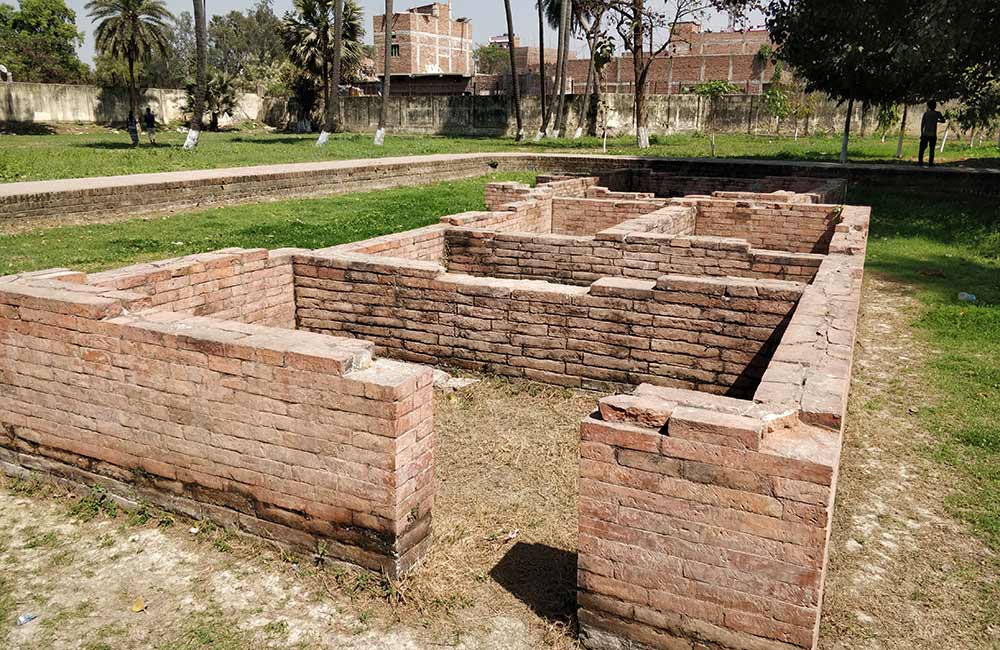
[(903, 574), (501, 572)]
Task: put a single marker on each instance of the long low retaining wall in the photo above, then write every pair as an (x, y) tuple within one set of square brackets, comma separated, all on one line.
[(29, 204)]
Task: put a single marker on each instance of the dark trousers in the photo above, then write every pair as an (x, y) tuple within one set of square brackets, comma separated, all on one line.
[(925, 141)]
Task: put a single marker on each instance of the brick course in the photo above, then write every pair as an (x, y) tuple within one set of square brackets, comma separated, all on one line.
[(297, 437)]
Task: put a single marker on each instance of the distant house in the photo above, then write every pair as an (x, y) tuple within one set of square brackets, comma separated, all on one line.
[(430, 52)]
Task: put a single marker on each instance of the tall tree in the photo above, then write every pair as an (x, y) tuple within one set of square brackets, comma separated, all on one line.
[(201, 75), (383, 113), (542, 73), (38, 42), (309, 35), (565, 35), (515, 82), (873, 51), (132, 30), (332, 124), (590, 17), (646, 33)]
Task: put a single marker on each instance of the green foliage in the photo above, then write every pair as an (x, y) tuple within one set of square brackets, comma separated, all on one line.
[(93, 504), (715, 89), (169, 69), (886, 117), (307, 33), (491, 59), (38, 42), (132, 31), (980, 107), (221, 97), (246, 46)]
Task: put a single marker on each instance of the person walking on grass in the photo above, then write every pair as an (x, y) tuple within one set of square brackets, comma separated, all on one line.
[(132, 126), (928, 130), (149, 119)]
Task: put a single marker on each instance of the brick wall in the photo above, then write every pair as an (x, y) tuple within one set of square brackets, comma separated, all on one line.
[(705, 520), (712, 335), (299, 438), (585, 216), (667, 184), (703, 523), (581, 260), (249, 286), (547, 186), (797, 227)]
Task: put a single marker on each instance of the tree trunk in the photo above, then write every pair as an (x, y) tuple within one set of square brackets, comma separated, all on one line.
[(132, 93), (847, 132), (902, 132), (641, 131), (546, 120), (324, 134), (591, 78), (383, 113), (541, 69), (566, 25), (201, 74), (516, 86), (331, 122)]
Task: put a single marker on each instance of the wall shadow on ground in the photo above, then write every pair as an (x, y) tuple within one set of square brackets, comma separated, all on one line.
[(27, 128), (542, 577)]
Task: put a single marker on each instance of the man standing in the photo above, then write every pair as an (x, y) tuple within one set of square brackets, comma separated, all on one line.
[(150, 121), (928, 130)]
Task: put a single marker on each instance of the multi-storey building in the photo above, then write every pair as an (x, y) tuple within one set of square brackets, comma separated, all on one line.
[(430, 51)]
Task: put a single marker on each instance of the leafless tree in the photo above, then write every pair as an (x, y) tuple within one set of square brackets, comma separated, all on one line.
[(647, 34)]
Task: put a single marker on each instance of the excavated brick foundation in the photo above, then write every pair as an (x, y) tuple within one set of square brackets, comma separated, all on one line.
[(288, 392)]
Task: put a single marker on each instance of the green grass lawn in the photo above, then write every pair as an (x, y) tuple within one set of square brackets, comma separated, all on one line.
[(942, 245), (97, 152), (302, 223)]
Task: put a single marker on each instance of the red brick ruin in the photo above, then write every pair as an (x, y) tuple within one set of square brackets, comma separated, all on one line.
[(288, 393)]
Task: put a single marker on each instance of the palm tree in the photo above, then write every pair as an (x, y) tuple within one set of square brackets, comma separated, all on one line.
[(309, 33), (221, 97), (566, 27), (201, 74), (131, 30), (541, 65), (333, 106), (513, 73), (383, 111)]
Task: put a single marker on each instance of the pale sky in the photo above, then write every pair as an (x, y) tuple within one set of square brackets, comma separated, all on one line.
[(487, 17)]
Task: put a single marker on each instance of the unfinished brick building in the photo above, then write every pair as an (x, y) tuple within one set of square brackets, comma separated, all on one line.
[(288, 393)]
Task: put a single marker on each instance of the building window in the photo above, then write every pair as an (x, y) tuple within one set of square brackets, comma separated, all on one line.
[(394, 50)]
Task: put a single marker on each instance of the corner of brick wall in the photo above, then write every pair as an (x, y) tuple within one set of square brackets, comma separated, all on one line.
[(299, 438), (704, 522)]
